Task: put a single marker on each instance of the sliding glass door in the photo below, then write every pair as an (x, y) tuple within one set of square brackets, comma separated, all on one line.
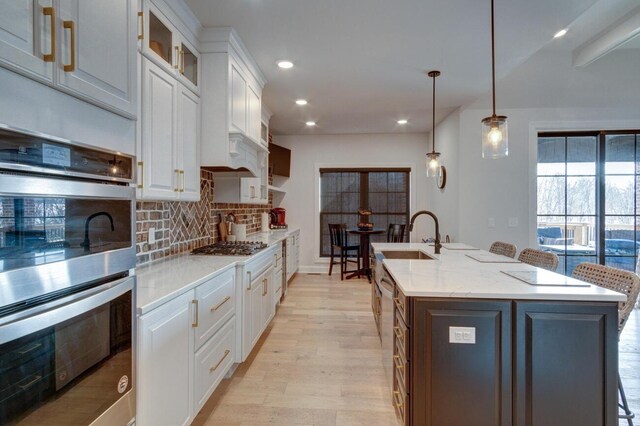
[(587, 197)]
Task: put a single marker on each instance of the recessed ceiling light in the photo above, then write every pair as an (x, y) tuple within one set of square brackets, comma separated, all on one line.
[(285, 64), (301, 102), (402, 121), (310, 123), (560, 33)]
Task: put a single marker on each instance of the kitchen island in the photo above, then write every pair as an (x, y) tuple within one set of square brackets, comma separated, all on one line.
[(473, 345)]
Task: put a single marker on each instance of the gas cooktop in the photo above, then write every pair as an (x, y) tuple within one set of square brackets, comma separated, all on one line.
[(231, 248)]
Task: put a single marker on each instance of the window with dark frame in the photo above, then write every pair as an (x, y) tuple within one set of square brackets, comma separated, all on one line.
[(588, 193), (384, 191)]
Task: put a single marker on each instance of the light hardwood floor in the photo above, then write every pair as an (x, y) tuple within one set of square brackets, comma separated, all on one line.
[(319, 363)]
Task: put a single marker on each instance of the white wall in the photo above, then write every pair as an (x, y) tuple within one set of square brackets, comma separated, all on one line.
[(309, 152), (505, 188), (445, 202)]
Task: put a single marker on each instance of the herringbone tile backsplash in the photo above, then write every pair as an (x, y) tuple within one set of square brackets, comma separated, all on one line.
[(182, 226)]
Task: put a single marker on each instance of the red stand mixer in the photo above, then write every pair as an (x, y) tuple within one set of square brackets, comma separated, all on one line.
[(278, 218)]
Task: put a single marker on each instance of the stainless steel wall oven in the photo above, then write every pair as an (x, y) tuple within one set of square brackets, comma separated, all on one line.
[(67, 245)]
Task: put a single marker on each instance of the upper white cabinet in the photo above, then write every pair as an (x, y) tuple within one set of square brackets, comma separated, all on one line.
[(168, 162), (164, 44), (27, 37), (231, 91), (82, 47), (97, 48)]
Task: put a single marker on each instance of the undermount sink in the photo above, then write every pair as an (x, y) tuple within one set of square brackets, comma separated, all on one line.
[(405, 254)]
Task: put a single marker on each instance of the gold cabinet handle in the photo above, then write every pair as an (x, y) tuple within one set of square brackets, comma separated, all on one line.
[(398, 362), (402, 336), (249, 286), (183, 180), (51, 13), (71, 26), (264, 286), (195, 304), (176, 65), (212, 369), (397, 399), (225, 300), (141, 184), (399, 304), (177, 187), (141, 19), (181, 61)]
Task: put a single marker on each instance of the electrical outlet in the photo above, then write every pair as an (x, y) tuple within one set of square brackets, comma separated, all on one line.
[(513, 222), (492, 222), (152, 236), (464, 335)]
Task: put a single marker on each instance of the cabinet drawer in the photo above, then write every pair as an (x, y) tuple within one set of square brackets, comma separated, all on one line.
[(401, 336), (212, 362), (400, 401), (400, 301), (401, 368), (216, 304)]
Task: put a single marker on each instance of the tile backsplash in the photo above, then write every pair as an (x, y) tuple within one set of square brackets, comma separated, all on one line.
[(182, 225)]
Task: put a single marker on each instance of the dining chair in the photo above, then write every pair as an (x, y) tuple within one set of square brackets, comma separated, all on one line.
[(395, 233), (340, 247), (504, 249), (624, 282), (539, 258)]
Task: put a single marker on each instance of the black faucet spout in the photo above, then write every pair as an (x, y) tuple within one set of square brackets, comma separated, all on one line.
[(87, 243), (438, 245)]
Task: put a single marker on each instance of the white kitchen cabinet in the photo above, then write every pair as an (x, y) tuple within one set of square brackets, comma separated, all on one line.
[(26, 42), (185, 348), (257, 307), (168, 47), (168, 150), (293, 254), (234, 188), (97, 52), (165, 364), (85, 48), (187, 147), (232, 91)]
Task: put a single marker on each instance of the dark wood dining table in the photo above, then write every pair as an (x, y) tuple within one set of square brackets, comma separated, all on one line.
[(364, 249)]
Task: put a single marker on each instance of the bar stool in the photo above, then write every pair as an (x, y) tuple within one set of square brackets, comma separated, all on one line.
[(624, 282), (504, 249), (539, 258)]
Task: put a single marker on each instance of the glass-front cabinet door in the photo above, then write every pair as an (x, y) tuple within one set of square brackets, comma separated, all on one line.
[(165, 45), (189, 63)]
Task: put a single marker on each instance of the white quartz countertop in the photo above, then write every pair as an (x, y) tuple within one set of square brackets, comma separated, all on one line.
[(454, 274), (165, 279)]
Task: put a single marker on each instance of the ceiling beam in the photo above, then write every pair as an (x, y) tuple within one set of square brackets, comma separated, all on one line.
[(609, 40)]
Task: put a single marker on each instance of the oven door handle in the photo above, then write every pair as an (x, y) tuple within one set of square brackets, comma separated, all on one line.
[(20, 185), (29, 321)]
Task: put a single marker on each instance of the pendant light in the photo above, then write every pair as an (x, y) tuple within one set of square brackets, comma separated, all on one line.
[(495, 143), (433, 157)]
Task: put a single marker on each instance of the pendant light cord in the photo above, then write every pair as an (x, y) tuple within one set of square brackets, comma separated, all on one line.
[(493, 63), (433, 131)]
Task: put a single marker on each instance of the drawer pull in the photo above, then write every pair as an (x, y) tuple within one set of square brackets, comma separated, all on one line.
[(397, 400), (399, 304), (398, 362), (141, 184), (225, 300), (35, 380), (33, 347), (402, 336), (212, 369)]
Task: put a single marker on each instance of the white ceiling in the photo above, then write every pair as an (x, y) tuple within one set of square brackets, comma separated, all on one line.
[(361, 63)]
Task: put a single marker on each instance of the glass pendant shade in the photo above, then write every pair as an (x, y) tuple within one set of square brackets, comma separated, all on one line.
[(433, 164), (495, 140)]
